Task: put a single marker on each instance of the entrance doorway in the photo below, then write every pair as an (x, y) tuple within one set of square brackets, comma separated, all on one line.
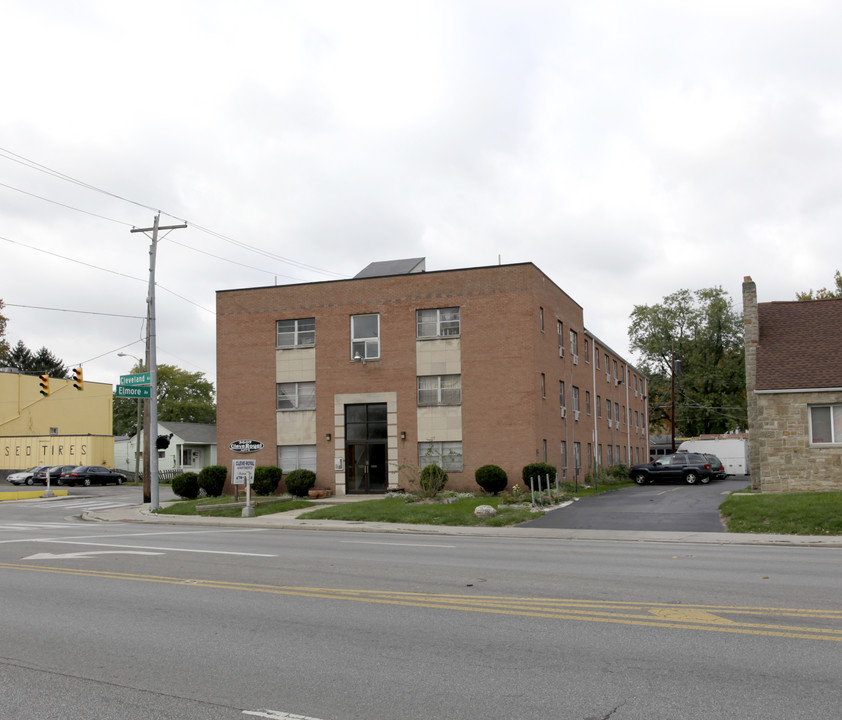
[(365, 454)]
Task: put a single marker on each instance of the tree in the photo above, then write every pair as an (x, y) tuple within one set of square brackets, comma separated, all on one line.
[(182, 397), (4, 344), (44, 362), (823, 293), (704, 336)]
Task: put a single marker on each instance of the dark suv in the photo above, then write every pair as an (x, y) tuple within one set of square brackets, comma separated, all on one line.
[(691, 468)]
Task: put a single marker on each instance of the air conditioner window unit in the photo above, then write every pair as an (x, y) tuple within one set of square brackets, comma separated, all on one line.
[(561, 352), (564, 412), (575, 359), (576, 414)]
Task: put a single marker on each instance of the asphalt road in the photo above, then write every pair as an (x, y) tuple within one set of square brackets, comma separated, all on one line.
[(661, 507), (105, 620)]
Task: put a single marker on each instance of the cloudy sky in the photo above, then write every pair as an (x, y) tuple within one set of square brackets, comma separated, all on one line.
[(629, 148)]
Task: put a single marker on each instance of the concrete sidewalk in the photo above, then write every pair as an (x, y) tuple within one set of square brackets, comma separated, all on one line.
[(291, 521)]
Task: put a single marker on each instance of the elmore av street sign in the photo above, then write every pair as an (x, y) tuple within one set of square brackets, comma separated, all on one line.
[(128, 391)]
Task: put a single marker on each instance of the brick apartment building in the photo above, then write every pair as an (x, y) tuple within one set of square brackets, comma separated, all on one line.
[(355, 378)]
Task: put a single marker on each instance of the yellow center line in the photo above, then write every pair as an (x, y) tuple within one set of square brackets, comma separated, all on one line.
[(656, 615)]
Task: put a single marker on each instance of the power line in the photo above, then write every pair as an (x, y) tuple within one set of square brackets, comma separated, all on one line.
[(64, 205), (81, 312)]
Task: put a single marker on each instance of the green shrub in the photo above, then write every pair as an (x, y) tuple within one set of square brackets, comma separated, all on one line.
[(536, 470), (212, 479), (266, 479), (491, 478), (186, 485), (300, 482), (431, 481)]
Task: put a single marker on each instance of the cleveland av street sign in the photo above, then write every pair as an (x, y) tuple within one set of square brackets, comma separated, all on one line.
[(136, 379)]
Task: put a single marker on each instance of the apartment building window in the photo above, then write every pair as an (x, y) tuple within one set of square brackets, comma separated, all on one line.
[(296, 333), (610, 450), (587, 351), (575, 392), (560, 334), (365, 337), (623, 416), (599, 454), (541, 319), (438, 322), (636, 421), (607, 363), (615, 369), (596, 356), (577, 456), (297, 396), (439, 389), (543, 385), (598, 406), (296, 457), (587, 402), (447, 455), (617, 412), (574, 342), (561, 399), (826, 423), (590, 456), (608, 409)]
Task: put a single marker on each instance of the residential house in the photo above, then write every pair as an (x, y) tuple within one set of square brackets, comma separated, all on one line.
[(192, 447)]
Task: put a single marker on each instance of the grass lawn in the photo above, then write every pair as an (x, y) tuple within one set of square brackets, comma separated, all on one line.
[(397, 510), (194, 507), (816, 513)]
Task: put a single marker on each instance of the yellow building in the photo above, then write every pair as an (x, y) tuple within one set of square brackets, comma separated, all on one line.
[(65, 428)]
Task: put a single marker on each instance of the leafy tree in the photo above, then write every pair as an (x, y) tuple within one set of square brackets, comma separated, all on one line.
[(4, 344), (182, 397), (823, 293), (703, 334)]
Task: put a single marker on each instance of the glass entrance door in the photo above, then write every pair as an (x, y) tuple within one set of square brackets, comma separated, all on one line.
[(365, 442)]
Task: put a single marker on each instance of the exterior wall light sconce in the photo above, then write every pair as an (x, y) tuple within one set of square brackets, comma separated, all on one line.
[(403, 435), (327, 437)]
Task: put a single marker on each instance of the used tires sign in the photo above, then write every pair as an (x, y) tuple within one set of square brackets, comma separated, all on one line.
[(246, 446)]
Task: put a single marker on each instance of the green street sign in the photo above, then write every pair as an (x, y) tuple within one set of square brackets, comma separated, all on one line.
[(137, 379), (128, 391)]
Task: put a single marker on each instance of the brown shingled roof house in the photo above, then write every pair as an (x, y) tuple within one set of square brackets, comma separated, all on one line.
[(794, 392)]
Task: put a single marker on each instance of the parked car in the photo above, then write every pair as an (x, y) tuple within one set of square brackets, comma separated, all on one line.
[(25, 477), (55, 474), (716, 466), (691, 468), (91, 475)]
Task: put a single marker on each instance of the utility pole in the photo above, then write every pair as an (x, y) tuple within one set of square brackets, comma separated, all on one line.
[(150, 479)]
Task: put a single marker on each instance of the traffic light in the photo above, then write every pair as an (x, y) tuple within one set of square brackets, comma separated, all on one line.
[(78, 382), (45, 385)]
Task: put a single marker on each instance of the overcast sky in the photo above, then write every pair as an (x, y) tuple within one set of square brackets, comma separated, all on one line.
[(629, 148)]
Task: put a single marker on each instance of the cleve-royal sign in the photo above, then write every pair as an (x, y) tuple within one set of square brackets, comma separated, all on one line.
[(246, 446)]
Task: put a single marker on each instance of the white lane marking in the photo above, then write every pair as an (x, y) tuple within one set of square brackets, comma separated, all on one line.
[(33, 526), (276, 715), (143, 547), (376, 542), (87, 554), (86, 526)]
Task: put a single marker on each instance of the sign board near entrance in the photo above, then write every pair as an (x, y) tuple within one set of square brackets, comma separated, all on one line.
[(242, 471), (246, 446)]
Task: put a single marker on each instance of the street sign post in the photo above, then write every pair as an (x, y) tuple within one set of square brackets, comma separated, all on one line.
[(242, 472), (129, 391), (136, 379)]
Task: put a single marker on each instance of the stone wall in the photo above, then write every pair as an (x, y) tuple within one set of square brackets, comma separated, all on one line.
[(787, 461)]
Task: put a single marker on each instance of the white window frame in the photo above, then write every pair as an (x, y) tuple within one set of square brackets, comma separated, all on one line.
[(430, 319), (301, 395), (574, 343), (437, 385), (302, 334), (365, 347), (446, 454), (303, 458), (834, 411)]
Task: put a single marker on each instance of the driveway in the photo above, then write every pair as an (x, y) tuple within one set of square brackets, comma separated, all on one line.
[(665, 507)]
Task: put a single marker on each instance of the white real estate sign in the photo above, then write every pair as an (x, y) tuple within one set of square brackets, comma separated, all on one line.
[(242, 471)]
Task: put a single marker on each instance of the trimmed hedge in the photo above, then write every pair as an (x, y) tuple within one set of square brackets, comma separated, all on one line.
[(536, 470), (186, 485), (491, 478), (212, 479), (432, 480), (300, 482), (266, 479)]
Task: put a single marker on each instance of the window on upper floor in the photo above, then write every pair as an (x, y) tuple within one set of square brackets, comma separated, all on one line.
[(596, 356), (826, 424), (575, 393), (365, 337), (587, 351), (438, 322), (560, 327), (608, 409), (561, 400), (439, 389), (587, 402), (574, 342), (541, 319), (607, 364), (543, 385), (296, 333), (598, 406), (447, 455), (296, 396)]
